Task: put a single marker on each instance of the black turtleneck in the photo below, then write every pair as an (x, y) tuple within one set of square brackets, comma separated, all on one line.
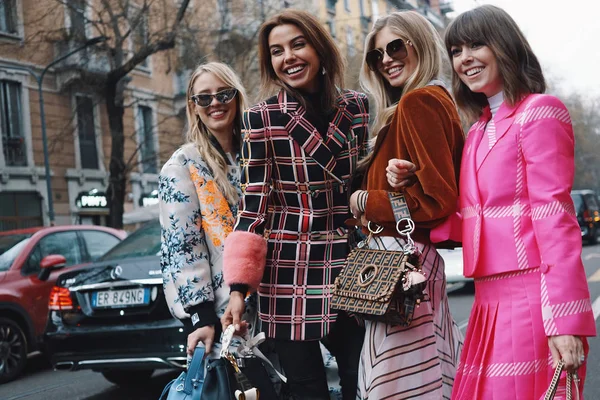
[(316, 113)]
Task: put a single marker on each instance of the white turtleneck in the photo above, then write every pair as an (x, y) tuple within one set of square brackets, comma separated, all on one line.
[(490, 130)]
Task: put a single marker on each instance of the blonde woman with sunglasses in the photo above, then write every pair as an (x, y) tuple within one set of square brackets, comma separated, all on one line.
[(199, 188), (417, 122)]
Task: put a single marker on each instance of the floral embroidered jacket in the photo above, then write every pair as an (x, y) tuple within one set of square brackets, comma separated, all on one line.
[(195, 218)]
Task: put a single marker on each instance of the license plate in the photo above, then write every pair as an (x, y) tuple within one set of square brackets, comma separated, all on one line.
[(121, 298)]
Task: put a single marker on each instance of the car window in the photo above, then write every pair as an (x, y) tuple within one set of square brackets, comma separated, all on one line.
[(577, 201), (143, 242), (9, 256), (64, 243), (97, 243), (590, 199), (9, 241)]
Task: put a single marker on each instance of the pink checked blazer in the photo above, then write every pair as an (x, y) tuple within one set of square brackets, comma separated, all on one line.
[(517, 212)]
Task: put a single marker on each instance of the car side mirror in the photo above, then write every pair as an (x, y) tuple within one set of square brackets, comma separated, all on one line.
[(50, 263)]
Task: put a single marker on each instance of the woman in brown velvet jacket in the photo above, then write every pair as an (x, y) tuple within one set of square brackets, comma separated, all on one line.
[(416, 121)]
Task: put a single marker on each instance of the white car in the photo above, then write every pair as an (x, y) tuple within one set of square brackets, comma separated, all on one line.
[(453, 260)]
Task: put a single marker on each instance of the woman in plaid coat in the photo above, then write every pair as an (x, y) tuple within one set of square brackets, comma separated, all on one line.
[(300, 150)]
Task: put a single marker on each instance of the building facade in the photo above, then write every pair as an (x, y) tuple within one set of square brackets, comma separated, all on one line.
[(32, 35), (35, 33)]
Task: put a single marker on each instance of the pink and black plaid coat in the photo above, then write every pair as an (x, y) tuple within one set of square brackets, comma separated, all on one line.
[(295, 182)]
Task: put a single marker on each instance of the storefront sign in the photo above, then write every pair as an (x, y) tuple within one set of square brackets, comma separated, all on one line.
[(92, 199)]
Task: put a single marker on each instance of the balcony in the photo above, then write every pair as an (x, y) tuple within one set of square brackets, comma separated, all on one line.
[(91, 61), (14, 151)]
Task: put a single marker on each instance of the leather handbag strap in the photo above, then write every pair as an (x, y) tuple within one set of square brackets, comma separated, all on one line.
[(404, 223), (195, 371)]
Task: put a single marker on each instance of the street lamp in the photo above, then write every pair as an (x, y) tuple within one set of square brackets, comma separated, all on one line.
[(40, 80)]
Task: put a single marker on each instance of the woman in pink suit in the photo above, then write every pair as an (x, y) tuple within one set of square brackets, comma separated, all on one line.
[(521, 239)]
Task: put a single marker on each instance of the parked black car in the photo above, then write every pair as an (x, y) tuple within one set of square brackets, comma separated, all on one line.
[(588, 214), (112, 317)]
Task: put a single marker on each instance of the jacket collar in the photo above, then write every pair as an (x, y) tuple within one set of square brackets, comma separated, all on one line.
[(503, 120), (321, 146)]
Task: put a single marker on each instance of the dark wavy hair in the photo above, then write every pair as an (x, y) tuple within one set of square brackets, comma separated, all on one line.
[(318, 37), (519, 68)]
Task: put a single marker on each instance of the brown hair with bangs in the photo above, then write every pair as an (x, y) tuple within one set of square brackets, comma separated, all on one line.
[(519, 68), (324, 45)]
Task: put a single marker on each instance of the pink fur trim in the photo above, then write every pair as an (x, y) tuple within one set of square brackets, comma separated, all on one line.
[(244, 259)]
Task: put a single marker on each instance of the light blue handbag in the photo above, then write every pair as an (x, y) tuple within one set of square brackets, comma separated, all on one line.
[(188, 385)]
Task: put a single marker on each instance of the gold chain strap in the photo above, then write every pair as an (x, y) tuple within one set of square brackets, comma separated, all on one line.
[(551, 392)]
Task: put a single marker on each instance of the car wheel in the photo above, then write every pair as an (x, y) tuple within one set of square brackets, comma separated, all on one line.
[(593, 239), (127, 377), (13, 350)]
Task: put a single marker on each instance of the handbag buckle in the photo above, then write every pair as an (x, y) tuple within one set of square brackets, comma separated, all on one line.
[(367, 275)]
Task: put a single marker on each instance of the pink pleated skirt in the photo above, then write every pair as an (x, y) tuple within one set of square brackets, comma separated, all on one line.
[(506, 354)]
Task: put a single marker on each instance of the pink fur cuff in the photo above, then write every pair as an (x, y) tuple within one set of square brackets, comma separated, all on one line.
[(244, 259)]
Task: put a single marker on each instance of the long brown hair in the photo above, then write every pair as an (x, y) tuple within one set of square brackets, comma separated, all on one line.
[(318, 37), (199, 135), (519, 68)]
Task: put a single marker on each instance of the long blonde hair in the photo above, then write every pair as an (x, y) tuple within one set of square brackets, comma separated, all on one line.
[(431, 64), (200, 136)]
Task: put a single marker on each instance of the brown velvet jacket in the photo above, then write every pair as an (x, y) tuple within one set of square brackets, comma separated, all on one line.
[(425, 130)]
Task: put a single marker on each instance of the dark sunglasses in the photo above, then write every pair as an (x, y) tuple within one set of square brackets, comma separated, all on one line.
[(224, 96), (396, 49)]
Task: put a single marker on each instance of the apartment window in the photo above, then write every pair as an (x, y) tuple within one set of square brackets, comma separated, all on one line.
[(20, 210), (331, 26), (350, 42), (331, 5), (86, 132), (347, 5), (8, 16), (77, 17), (140, 36), (224, 9), (11, 124), (146, 137)]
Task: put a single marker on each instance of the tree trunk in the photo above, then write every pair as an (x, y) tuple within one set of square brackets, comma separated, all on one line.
[(118, 176)]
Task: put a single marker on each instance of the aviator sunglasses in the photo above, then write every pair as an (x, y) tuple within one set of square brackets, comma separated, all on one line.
[(204, 99), (396, 49)]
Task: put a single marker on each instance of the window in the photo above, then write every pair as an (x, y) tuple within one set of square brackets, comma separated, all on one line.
[(20, 210), (140, 35), (331, 26), (86, 131), (97, 243), (142, 243), (77, 15), (11, 124), (146, 137), (347, 5), (224, 9), (331, 6), (350, 42), (64, 243), (8, 16)]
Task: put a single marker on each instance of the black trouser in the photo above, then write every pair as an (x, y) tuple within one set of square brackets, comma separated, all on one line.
[(302, 361)]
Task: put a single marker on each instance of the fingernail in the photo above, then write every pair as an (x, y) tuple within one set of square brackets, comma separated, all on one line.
[(237, 327)]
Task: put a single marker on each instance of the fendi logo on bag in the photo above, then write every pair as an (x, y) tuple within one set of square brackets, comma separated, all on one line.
[(367, 275)]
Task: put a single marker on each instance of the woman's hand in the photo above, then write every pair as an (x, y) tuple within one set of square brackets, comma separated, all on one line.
[(206, 335), (567, 347), (234, 311), (400, 173)]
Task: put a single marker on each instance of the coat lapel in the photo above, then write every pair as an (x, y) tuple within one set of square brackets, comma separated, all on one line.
[(503, 120), (322, 149)]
